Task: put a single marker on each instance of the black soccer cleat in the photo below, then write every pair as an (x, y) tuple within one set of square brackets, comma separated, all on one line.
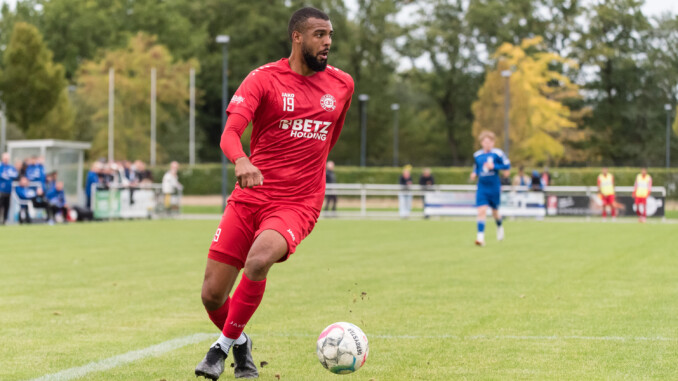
[(212, 366), (244, 364)]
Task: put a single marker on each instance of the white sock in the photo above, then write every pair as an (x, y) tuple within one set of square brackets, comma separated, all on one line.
[(225, 343), (241, 340), (481, 237)]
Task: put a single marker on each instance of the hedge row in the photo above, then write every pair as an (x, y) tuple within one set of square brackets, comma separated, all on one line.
[(205, 179)]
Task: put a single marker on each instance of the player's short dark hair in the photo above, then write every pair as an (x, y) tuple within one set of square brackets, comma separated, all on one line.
[(299, 18)]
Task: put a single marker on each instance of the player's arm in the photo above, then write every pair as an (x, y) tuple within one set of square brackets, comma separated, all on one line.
[(474, 173), (340, 124), (503, 163), (598, 182), (247, 174)]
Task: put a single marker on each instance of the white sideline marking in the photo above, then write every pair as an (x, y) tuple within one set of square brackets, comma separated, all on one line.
[(180, 342), (126, 358), (498, 337)]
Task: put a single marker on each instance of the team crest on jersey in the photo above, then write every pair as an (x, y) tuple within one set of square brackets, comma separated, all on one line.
[(328, 102)]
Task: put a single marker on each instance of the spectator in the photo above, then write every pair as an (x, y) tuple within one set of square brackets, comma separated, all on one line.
[(27, 194), (129, 172), (405, 197), (330, 178), (51, 180), (521, 179), (92, 180), (143, 175), (56, 200), (20, 166), (426, 179), (171, 184), (536, 182), (35, 171), (7, 175), (545, 177)]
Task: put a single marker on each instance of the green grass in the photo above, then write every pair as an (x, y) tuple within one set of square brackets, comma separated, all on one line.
[(81, 293)]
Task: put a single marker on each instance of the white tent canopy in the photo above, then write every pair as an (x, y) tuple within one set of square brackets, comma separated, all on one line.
[(65, 157)]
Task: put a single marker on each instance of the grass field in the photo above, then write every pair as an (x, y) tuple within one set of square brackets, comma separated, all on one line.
[(555, 301)]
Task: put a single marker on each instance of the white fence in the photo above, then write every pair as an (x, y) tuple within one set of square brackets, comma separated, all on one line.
[(381, 200)]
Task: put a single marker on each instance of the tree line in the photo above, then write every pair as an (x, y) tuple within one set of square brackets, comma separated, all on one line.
[(587, 82)]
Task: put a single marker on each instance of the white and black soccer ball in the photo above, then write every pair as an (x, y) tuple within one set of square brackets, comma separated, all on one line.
[(342, 348)]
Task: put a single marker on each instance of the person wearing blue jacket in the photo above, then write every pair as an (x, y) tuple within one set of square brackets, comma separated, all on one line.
[(92, 179), (488, 162), (35, 172), (56, 199), (8, 174), (27, 193)]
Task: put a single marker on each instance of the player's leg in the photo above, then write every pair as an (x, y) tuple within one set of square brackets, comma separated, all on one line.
[(216, 287), (494, 202), (500, 227), (480, 221), (604, 199), (226, 257)]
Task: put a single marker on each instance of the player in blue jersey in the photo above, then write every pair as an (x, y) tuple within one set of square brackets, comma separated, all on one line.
[(488, 161)]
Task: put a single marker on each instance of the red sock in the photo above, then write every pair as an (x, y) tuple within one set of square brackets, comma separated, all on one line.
[(604, 211), (219, 315), (614, 211), (244, 302)]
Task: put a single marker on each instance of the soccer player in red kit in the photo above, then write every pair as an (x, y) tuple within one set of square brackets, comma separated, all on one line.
[(297, 107)]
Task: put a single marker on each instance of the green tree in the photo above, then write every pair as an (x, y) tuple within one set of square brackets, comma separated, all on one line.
[(538, 116), (57, 123), (132, 67), (30, 82)]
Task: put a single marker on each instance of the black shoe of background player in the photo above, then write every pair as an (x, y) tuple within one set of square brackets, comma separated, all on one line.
[(244, 364), (212, 366)]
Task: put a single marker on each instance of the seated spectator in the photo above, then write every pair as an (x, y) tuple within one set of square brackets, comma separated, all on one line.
[(521, 179), (7, 175), (56, 200), (536, 184), (27, 194), (426, 179), (170, 183)]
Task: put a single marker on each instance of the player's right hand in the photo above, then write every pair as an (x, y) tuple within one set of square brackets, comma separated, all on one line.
[(247, 174)]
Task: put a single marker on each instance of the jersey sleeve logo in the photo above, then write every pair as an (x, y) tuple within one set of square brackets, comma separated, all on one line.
[(237, 99), (328, 103)]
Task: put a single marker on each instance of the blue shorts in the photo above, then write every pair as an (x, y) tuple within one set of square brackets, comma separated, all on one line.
[(484, 198)]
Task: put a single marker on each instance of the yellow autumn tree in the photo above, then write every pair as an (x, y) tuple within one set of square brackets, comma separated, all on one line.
[(132, 66), (539, 122)]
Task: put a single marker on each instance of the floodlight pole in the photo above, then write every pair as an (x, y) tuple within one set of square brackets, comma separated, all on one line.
[(111, 106), (191, 120), (363, 127), (395, 107), (668, 108), (153, 127), (507, 105), (224, 40)]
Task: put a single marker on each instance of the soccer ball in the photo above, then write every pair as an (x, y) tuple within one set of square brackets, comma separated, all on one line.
[(342, 348)]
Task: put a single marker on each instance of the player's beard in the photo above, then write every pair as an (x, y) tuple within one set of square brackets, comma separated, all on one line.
[(312, 61)]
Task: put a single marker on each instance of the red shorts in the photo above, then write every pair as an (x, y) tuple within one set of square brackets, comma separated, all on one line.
[(242, 223), (608, 200)]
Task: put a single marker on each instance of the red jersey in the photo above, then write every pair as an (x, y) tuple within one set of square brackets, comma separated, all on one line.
[(296, 121)]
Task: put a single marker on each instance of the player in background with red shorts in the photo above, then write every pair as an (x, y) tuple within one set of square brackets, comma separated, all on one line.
[(641, 191), (606, 190), (297, 107)]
